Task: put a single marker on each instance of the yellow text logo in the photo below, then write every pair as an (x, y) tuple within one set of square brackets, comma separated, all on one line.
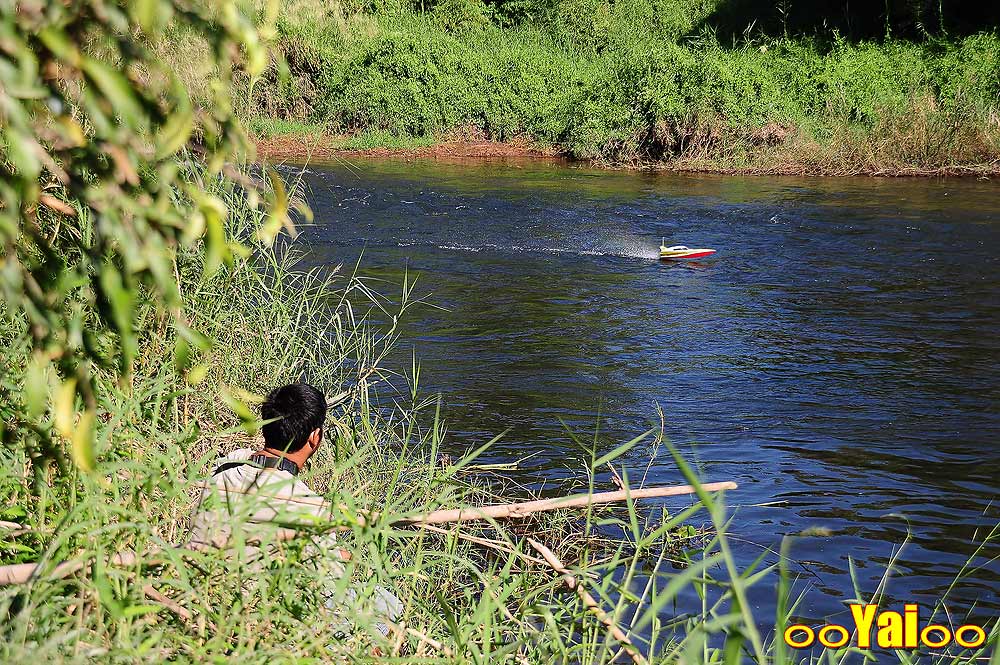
[(890, 630)]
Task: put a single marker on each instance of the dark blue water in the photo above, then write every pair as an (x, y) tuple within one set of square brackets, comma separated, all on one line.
[(838, 357)]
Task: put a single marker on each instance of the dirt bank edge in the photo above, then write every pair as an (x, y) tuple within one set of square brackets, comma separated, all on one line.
[(302, 148)]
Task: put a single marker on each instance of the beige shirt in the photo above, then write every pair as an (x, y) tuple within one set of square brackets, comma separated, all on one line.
[(243, 504), (252, 507)]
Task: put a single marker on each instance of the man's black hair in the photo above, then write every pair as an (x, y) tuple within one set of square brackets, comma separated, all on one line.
[(296, 410)]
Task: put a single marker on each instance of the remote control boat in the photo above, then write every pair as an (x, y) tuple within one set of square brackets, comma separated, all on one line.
[(681, 252)]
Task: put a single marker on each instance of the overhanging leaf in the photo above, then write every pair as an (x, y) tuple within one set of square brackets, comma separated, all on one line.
[(36, 387), (278, 212), (82, 448), (217, 249), (65, 408), (242, 411), (116, 88), (176, 131), (197, 374), (122, 303)]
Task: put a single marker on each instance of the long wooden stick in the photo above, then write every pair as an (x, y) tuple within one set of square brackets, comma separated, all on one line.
[(19, 573), (523, 509), (588, 601), (23, 572)]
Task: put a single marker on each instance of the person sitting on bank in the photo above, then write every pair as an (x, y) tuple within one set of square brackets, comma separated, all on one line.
[(260, 491)]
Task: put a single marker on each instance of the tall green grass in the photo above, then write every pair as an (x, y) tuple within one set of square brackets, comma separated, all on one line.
[(634, 82)]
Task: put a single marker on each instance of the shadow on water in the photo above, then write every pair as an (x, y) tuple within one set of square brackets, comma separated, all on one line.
[(838, 358)]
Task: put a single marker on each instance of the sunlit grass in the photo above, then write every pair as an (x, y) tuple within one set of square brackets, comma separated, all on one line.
[(264, 128), (369, 139)]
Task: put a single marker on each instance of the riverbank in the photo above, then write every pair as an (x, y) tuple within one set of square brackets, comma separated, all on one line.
[(299, 146), (618, 85), (803, 160)]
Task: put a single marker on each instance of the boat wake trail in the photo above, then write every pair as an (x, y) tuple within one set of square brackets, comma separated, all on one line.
[(640, 249), (637, 251)]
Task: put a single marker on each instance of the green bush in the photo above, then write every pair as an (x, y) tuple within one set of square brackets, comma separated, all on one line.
[(967, 73), (624, 82), (863, 81), (596, 25), (393, 83), (461, 15)]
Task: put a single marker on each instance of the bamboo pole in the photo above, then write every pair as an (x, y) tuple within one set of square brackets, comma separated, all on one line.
[(19, 573), (523, 509), (23, 572)]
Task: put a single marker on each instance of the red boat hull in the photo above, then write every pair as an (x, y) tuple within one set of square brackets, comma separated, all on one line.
[(692, 255)]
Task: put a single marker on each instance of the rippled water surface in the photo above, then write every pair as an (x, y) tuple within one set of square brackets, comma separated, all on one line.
[(838, 357)]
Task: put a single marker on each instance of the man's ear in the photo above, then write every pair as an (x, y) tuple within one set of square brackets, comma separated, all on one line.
[(315, 438)]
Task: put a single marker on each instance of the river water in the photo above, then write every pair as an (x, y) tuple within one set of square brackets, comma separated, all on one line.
[(838, 357)]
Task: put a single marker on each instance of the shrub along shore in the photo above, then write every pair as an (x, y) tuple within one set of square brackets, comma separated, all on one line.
[(636, 84)]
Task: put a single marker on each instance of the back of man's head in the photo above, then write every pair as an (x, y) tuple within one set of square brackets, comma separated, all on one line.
[(296, 410)]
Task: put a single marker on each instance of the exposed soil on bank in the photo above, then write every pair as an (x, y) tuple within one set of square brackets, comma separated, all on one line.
[(299, 148)]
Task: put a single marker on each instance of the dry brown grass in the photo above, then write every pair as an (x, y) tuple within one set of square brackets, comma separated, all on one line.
[(922, 139)]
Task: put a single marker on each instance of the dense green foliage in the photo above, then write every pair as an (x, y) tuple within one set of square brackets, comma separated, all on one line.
[(639, 81), (97, 197)]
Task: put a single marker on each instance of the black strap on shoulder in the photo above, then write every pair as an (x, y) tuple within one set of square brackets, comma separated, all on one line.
[(261, 462), (226, 467), (279, 463)]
